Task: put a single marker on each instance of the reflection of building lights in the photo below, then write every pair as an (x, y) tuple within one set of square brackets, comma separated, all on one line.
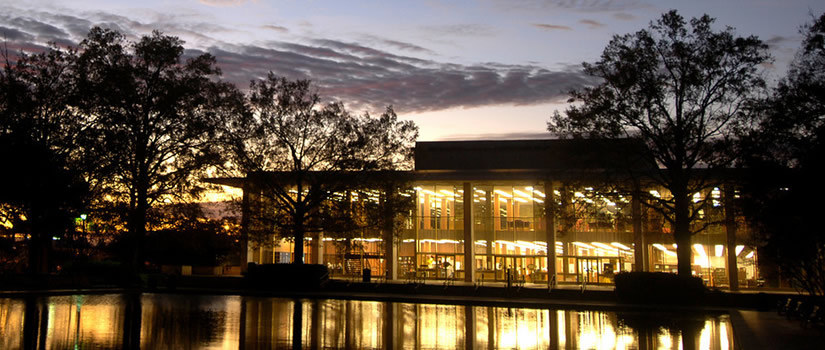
[(449, 193), (521, 200)]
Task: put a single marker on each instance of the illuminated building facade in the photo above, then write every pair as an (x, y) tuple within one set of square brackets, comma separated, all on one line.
[(498, 194)]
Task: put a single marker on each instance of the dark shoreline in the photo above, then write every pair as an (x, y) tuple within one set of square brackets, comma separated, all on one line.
[(500, 296)]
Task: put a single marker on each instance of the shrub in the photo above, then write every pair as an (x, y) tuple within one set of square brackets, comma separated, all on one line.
[(658, 288), (287, 276)]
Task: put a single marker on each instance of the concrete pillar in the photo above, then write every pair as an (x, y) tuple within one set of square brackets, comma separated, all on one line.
[(388, 234), (469, 235), (730, 231), (550, 232), (318, 248), (640, 245)]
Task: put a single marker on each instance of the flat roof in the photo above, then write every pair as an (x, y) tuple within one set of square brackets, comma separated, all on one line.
[(544, 155)]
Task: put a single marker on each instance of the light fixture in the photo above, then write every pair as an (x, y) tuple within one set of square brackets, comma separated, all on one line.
[(619, 245), (699, 249), (520, 193), (505, 194), (719, 249)]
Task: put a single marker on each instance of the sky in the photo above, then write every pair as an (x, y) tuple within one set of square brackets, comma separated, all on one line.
[(485, 69)]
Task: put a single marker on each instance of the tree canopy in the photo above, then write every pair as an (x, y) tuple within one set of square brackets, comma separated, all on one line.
[(681, 87), (44, 183), (318, 150), (154, 118), (790, 134)]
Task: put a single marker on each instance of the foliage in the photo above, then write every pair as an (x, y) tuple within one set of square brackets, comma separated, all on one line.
[(658, 288), (44, 183), (154, 118), (791, 134), (680, 88), (318, 155)]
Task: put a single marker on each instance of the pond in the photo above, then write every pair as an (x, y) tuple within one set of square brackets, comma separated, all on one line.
[(171, 321)]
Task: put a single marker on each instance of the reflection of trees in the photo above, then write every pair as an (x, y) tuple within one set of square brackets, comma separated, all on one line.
[(180, 322), (649, 325), (581, 208)]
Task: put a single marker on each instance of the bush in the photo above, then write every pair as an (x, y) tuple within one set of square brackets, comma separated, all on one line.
[(658, 288), (287, 276)]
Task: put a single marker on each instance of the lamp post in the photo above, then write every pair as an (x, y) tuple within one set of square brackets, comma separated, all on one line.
[(83, 220)]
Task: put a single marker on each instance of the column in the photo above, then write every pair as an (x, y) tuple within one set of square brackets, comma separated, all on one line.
[(469, 235), (388, 234), (730, 231), (640, 245), (550, 232), (318, 248), (245, 213)]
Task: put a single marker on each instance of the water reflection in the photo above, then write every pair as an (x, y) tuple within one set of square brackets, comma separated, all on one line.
[(161, 321)]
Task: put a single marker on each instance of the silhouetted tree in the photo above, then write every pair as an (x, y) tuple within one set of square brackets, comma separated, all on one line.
[(43, 183), (680, 88), (317, 155), (791, 134), (155, 116)]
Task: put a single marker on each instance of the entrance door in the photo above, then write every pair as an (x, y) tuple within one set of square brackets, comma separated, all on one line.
[(594, 270), (588, 270)]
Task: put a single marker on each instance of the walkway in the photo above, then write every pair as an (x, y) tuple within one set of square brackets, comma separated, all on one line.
[(768, 330)]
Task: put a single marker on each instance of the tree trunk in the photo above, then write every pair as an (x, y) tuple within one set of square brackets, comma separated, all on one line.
[(39, 245), (298, 234), (140, 227), (681, 231)]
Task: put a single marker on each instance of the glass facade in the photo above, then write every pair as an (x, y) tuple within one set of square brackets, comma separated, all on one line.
[(509, 232), (593, 238)]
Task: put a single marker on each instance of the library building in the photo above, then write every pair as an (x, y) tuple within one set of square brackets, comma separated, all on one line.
[(572, 211)]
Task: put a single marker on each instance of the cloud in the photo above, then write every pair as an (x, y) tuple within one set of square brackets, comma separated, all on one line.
[(591, 23), (778, 40), (551, 26), (368, 75), (367, 78), (14, 34), (463, 30), (498, 136), (223, 3), (624, 16), (572, 5), (275, 28), (399, 44)]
